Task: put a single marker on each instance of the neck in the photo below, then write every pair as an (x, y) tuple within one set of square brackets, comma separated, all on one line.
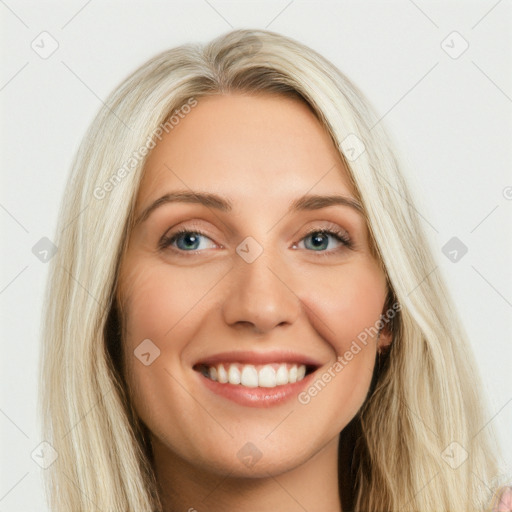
[(310, 486)]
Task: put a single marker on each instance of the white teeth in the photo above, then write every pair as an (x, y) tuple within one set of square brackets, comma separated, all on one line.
[(222, 374), (282, 375), (252, 376), (234, 375), (249, 377), (267, 377)]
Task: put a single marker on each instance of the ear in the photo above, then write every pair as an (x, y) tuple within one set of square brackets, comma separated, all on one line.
[(384, 339), (385, 335)]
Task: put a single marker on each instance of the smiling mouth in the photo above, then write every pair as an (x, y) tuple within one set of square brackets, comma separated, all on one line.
[(255, 375)]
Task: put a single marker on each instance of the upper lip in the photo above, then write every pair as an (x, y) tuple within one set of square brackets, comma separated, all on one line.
[(251, 357)]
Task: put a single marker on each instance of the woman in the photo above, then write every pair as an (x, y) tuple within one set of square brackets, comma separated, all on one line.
[(242, 312)]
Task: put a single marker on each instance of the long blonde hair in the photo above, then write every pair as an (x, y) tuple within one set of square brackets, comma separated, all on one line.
[(426, 394)]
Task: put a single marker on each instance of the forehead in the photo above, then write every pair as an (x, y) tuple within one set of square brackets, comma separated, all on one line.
[(240, 144)]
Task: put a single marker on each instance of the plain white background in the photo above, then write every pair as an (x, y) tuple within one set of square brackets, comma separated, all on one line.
[(451, 118)]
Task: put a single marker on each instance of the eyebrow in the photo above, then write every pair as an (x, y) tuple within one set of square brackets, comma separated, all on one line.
[(305, 203)]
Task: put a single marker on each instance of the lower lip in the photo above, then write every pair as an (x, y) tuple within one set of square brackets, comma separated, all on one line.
[(256, 397)]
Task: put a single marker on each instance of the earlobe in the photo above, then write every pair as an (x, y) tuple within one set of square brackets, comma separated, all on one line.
[(384, 339)]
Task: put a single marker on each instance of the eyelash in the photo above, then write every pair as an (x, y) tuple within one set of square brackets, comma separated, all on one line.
[(338, 234)]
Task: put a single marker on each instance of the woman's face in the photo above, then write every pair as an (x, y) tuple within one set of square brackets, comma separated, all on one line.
[(228, 277)]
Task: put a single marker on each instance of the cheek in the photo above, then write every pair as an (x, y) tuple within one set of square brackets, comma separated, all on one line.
[(346, 303), (165, 306), (344, 308), (160, 301), (168, 307)]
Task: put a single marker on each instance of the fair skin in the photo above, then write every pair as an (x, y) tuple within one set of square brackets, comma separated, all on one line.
[(305, 297)]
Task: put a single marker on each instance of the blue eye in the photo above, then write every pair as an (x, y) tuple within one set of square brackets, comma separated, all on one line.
[(320, 239), (185, 240)]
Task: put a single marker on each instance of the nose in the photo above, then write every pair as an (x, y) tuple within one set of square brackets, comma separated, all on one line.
[(260, 295)]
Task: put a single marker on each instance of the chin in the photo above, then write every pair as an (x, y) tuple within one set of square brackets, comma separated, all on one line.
[(252, 464)]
